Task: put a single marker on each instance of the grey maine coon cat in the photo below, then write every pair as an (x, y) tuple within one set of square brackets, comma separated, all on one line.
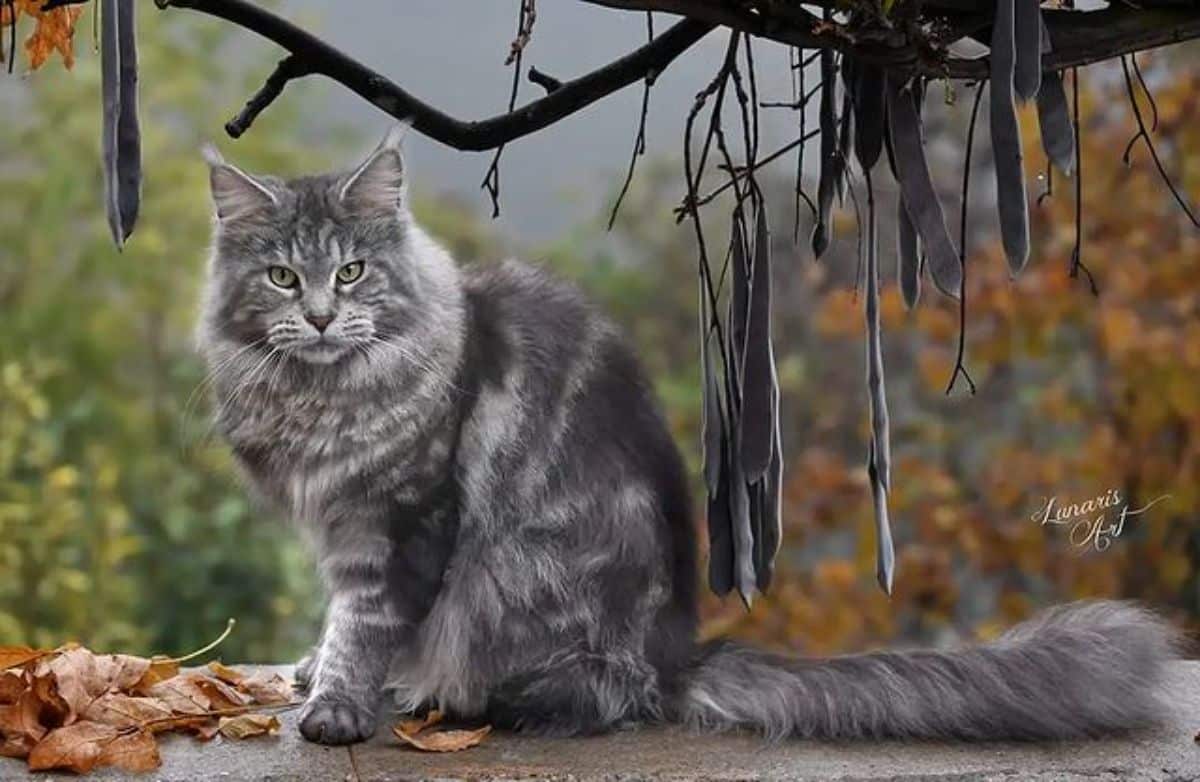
[(501, 518)]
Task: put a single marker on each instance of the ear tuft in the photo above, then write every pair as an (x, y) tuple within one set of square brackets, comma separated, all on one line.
[(378, 184), (236, 194)]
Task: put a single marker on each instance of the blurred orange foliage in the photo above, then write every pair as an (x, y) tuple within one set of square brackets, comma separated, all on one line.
[(1078, 395)]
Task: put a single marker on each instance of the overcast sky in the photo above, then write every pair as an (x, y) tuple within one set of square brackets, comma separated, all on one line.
[(451, 53)]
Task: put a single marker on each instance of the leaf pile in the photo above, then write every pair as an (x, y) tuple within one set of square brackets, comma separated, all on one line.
[(416, 734), (53, 31), (70, 708)]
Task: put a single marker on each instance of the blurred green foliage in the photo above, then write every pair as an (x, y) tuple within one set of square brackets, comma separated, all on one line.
[(121, 522)]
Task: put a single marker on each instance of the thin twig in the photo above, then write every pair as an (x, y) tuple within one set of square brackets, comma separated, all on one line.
[(1145, 136), (960, 367), (1077, 263), (686, 205), (526, 15), (639, 141)]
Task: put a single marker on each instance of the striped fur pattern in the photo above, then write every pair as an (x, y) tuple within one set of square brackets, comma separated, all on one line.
[(501, 518)]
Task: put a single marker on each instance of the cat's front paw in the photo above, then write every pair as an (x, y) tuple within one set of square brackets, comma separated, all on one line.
[(334, 721), (305, 670)]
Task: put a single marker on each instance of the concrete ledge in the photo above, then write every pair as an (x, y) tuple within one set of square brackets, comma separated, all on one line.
[(670, 754)]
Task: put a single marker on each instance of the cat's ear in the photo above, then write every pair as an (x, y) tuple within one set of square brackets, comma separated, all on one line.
[(236, 194), (378, 184)]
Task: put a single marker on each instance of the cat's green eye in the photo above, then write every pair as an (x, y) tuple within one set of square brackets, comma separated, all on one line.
[(350, 272), (282, 276)]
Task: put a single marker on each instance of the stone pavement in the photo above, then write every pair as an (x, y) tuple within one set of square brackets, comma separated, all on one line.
[(658, 755)]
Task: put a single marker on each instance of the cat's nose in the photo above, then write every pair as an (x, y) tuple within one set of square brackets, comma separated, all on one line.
[(320, 322)]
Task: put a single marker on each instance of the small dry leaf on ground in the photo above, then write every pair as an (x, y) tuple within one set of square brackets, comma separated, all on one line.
[(415, 733), (245, 726), (69, 708)]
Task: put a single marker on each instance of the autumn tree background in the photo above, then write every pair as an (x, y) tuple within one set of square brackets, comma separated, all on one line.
[(123, 526)]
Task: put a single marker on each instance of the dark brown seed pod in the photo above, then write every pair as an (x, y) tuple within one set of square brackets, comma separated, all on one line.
[(759, 383), (823, 228), (908, 256), (1054, 120), (1006, 140), (1027, 74), (120, 132), (720, 527), (916, 188), (868, 114)]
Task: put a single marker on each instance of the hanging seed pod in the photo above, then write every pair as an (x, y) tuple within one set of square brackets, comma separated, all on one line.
[(1027, 74), (759, 384), (879, 468), (743, 533), (720, 526), (907, 256), (739, 303), (1006, 141), (772, 520), (1054, 120), (868, 114), (885, 552), (845, 125), (823, 228), (120, 132), (916, 188), (713, 425)]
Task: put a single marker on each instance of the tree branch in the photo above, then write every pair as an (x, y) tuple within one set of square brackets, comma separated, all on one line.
[(311, 55)]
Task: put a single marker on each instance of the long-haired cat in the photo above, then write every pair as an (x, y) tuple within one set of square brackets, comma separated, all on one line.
[(501, 518)]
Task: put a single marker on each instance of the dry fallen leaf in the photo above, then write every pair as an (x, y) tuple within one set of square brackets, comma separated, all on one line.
[(245, 726), (12, 684), (268, 689), (220, 695), (225, 673), (443, 740), (417, 724), (131, 751), (76, 747), (181, 695), (19, 720), (125, 711), (16, 656), (161, 669)]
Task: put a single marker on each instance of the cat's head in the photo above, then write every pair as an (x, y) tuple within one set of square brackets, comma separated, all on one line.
[(318, 269)]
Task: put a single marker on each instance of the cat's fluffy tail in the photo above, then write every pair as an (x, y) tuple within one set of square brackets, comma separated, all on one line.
[(1083, 669)]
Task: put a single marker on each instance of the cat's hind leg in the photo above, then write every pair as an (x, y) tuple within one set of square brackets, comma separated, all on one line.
[(579, 692)]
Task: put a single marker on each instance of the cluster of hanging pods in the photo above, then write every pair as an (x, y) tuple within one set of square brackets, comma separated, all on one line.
[(880, 110)]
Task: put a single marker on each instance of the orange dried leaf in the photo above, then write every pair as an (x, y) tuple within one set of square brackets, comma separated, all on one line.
[(54, 31), (12, 684), (55, 711), (76, 747), (181, 696), (246, 726), (161, 669), (268, 689), (15, 747), (120, 672), (126, 711), (414, 726), (443, 740), (225, 673), (220, 694), (20, 720), (137, 751), (16, 656), (207, 730)]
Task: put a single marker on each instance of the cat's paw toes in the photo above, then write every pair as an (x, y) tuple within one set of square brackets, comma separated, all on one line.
[(304, 670), (335, 722)]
